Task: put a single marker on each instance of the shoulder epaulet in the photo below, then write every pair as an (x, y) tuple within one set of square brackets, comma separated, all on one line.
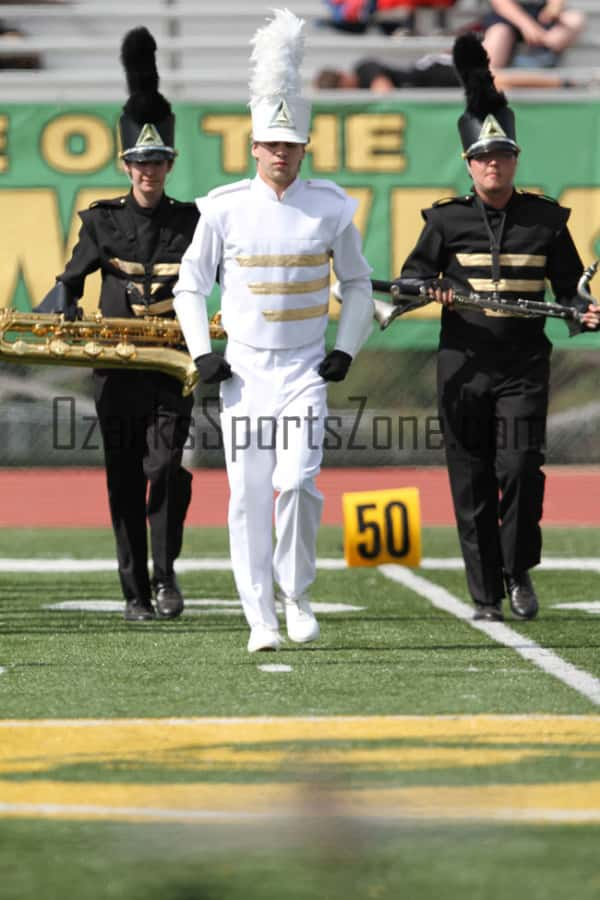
[(446, 201), (242, 185), (181, 204), (113, 202), (325, 184), (538, 197)]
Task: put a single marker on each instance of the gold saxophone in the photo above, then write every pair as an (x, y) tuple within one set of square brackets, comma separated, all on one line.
[(145, 343)]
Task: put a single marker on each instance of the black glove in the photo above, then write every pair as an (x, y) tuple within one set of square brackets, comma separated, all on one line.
[(416, 287), (212, 368), (335, 366), (60, 300)]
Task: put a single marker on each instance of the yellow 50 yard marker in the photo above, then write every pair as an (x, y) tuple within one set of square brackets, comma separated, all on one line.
[(382, 527)]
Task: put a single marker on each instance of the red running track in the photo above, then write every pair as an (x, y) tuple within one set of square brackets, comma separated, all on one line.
[(76, 498)]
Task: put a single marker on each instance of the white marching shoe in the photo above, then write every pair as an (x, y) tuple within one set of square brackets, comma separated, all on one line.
[(264, 638), (302, 626)]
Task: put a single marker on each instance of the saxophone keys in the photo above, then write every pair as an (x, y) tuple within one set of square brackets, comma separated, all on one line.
[(125, 351), (92, 349), (58, 347)]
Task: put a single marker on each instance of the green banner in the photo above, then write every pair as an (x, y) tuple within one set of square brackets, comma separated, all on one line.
[(395, 158)]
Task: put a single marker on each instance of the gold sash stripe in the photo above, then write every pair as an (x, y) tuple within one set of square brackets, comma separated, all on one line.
[(123, 265), (284, 259), (296, 315), (506, 259), (166, 269), (289, 287)]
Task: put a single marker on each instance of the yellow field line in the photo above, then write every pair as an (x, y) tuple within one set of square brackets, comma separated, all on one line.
[(385, 744), (520, 802)]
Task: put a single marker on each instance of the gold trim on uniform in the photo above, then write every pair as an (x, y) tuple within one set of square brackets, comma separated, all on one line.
[(508, 284), (296, 315), (284, 259), (506, 259), (289, 287), (501, 314), (153, 309), (166, 269), (123, 265)]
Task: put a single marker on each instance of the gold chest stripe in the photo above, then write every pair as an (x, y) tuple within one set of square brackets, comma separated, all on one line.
[(155, 309), (508, 284), (135, 268), (296, 315), (123, 265), (157, 285), (289, 287), (166, 269), (506, 259), (284, 259)]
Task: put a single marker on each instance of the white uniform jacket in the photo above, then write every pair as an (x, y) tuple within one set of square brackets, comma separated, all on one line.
[(274, 258)]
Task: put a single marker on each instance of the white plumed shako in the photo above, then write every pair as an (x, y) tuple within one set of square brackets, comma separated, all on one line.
[(279, 112)]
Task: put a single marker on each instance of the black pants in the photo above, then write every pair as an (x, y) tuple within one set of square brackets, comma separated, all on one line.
[(493, 409), (144, 422)]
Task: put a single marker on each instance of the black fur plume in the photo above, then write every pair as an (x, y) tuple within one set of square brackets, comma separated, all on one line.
[(145, 103), (473, 68)]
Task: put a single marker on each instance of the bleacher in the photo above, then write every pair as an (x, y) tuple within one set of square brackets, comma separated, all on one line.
[(204, 46)]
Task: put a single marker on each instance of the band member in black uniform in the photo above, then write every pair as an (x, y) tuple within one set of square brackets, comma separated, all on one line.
[(137, 242), (493, 368)]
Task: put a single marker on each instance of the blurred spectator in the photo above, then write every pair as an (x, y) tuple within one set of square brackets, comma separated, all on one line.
[(547, 28), (431, 71), (11, 55), (356, 16)]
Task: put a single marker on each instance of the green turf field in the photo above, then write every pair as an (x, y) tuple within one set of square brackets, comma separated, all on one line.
[(406, 754)]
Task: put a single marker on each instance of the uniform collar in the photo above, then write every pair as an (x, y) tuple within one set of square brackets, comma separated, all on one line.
[(147, 211), (265, 191), (496, 209)]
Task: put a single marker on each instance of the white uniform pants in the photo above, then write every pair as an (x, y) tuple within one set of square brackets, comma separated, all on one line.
[(273, 412)]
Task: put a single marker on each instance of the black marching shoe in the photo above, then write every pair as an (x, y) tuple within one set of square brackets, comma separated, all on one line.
[(522, 596), (492, 612), (137, 610), (168, 597)]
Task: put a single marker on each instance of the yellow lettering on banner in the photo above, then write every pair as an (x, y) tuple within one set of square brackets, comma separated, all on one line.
[(91, 294), (382, 526), (3, 134), (374, 142), (584, 223), (405, 227), (235, 132), (32, 240), (324, 143), (98, 147)]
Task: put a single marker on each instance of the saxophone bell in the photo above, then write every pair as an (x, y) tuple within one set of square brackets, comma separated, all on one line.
[(583, 284)]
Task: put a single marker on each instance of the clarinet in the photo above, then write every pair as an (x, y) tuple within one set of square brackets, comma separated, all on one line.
[(416, 295)]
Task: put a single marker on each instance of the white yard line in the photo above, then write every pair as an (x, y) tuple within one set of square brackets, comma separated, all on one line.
[(501, 814), (549, 564), (223, 564), (66, 565), (274, 667), (498, 718), (582, 682)]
